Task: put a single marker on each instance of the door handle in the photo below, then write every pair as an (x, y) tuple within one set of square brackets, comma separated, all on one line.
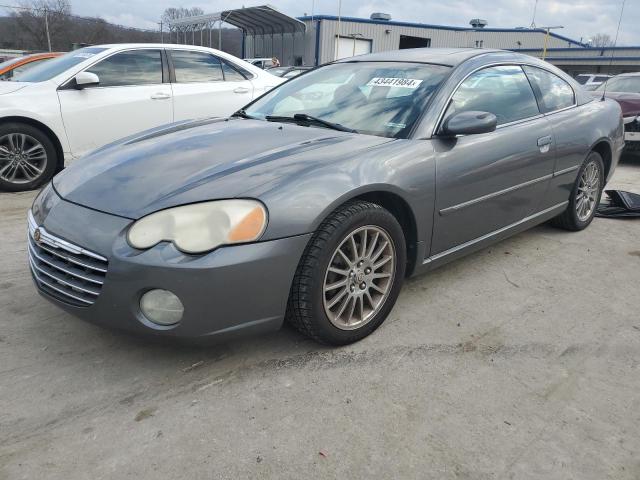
[(241, 90), (543, 141), (160, 96)]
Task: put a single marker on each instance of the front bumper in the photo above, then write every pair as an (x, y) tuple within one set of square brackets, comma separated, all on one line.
[(232, 290)]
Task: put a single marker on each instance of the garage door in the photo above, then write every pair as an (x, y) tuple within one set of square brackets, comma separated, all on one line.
[(349, 47)]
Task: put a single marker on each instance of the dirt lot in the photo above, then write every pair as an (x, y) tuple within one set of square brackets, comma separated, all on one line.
[(521, 361)]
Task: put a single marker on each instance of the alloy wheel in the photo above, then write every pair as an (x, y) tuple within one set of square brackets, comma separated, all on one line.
[(359, 277), (22, 158), (588, 190)]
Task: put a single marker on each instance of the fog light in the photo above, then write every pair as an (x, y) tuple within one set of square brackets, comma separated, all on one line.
[(161, 307)]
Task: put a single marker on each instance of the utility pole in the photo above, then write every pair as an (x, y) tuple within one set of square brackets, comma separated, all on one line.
[(46, 27), (533, 19), (546, 39)]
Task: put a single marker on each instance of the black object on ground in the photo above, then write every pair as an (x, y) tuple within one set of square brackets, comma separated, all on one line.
[(620, 205)]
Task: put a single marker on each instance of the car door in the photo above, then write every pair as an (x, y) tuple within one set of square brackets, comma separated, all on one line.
[(487, 182), (557, 101), (206, 86), (130, 97)]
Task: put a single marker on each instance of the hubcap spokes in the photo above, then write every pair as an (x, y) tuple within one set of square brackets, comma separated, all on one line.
[(588, 191), (359, 277), (22, 158)]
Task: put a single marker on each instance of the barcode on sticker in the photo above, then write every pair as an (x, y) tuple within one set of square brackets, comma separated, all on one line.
[(394, 82)]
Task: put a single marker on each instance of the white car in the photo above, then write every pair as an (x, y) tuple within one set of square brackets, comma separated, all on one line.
[(591, 81), (68, 106), (262, 62)]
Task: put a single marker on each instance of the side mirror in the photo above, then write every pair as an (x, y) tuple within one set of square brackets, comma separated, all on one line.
[(470, 123), (86, 79)]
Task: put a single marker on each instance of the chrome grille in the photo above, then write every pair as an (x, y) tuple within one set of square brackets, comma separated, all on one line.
[(632, 126), (64, 270)]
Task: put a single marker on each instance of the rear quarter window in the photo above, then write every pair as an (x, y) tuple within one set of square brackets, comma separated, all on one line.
[(553, 92)]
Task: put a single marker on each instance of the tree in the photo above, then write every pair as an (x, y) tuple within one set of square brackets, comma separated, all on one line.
[(43, 20), (181, 12), (601, 40)]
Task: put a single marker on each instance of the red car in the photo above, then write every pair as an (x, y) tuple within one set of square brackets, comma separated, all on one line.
[(625, 89), (15, 66)]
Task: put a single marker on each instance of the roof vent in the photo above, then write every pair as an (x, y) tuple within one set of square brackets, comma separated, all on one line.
[(478, 23), (380, 16)]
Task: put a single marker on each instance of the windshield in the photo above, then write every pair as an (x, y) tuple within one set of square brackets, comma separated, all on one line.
[(622, 84), (49, 69), (582, 79), (377, 98)]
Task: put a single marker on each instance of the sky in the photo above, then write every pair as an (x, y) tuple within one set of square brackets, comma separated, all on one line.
[(580, 18)]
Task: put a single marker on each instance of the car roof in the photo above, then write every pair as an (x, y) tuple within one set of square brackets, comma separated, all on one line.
[(442, 56), (630, 74)]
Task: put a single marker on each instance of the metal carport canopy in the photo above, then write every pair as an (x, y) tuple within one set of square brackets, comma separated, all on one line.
[(264, 19)]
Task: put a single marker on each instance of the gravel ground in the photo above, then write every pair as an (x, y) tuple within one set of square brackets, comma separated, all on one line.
[(521, 361)]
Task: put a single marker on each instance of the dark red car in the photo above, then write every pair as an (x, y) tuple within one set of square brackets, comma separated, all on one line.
[(625, 89)]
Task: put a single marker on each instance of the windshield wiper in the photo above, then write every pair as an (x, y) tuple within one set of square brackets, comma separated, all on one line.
[(305, 118), (242, 114)]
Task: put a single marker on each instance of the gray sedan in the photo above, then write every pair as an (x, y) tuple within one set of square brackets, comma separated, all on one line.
[(317, 200)]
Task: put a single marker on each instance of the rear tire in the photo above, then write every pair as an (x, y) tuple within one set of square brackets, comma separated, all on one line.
[(359, 253), (28, 157), (585, 196)]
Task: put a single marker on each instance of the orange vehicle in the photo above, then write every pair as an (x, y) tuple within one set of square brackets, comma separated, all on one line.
[(15, 66)]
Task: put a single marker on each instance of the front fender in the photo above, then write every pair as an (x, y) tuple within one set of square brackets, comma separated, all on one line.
[(301, 200)]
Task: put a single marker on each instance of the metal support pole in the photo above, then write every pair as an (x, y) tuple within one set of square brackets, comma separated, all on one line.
[(201, 29), (46, 27), (338, 35), (220, 35)]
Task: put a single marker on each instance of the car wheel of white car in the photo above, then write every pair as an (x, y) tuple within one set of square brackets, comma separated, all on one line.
[(27, 157)]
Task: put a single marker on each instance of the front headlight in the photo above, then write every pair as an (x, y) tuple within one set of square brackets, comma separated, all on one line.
[(201, 227)]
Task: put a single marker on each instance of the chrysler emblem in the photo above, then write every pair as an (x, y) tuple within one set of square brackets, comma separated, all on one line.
[(36, 235)]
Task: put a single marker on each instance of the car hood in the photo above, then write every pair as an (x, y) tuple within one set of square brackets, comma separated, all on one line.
[(10, 87), (629, 102), (199, 161)]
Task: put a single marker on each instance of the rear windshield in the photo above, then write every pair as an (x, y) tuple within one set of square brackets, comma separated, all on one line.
[(582, 79), (622, 84), (49, 69), (375, 98)]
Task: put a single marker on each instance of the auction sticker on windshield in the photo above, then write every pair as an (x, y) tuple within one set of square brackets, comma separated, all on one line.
[(394, 82)]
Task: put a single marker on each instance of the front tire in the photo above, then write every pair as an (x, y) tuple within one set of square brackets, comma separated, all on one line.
[(349, 276), (585, 195), (27, 157)]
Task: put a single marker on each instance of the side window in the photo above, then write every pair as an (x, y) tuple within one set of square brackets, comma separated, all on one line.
[(231, 74), (196, 67), (135, 67), (554, 93), (503, 91)]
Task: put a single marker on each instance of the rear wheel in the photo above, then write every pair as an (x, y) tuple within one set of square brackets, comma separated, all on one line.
[(349, 276), (27, 157), (585, 195)]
